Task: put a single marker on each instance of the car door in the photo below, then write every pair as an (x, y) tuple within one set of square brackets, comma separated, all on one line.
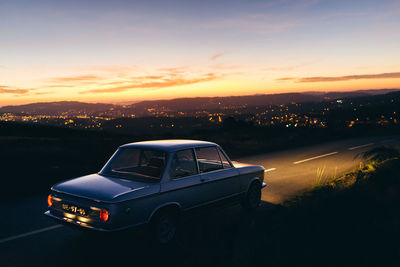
[(184, 183), (219, 178)]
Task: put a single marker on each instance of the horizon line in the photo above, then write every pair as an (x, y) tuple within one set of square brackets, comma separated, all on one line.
[(120, 103)]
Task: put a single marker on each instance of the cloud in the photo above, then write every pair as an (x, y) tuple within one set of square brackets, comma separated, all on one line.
[(42, 93), (164, 82), (149, 77), (59, 85), (174, 71), (75, 78), (217, 55), (285, 79), (392, 75), (13, 90)]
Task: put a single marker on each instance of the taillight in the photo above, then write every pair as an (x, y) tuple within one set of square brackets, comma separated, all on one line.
[(104, 215), (49, 200)]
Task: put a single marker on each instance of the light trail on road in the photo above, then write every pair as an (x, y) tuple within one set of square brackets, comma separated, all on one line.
[(361, 146), (316, 157), (31, 233)]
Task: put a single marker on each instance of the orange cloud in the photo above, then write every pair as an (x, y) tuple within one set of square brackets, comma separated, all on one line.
[(286, 79), (391, 75), (164, 82), (76, 78), (42, 93), (11, 90), (173, 70), (59, 85), (149, 77)]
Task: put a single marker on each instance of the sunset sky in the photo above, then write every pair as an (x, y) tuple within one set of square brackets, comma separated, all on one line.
[(120, 51)]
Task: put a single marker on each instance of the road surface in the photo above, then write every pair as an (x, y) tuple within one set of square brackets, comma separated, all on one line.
[(29, 238)]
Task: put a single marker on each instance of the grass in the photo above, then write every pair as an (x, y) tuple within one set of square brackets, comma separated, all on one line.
[(376, 158), (319, 180)]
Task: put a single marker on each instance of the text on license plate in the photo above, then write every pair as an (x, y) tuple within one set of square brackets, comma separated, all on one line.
[(74, 209)]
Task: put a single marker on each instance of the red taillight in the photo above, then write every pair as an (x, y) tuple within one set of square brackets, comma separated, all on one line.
[(104, 215), (49, 200)]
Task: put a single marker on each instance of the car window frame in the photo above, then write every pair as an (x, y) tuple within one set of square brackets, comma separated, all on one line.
[(220, 151), (194, 158), (216, 147)]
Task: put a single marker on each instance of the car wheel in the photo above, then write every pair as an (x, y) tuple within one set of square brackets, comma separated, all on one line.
[(253, 197), (165, 227)]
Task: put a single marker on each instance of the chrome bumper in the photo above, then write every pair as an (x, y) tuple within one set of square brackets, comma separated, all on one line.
[(83, 226), (72, 222)]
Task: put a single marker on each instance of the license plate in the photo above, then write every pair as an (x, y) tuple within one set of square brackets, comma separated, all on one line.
[(74, 209)]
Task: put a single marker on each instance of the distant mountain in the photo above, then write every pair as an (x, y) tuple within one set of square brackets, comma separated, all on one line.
[(215, 103), (58, 108), (144, 108), (199, 103), (356, 93)]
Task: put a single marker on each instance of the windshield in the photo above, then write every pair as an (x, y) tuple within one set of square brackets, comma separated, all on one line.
[(136, 164)]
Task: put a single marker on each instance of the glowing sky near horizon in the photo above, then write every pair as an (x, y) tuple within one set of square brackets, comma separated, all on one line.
[(116, 51)]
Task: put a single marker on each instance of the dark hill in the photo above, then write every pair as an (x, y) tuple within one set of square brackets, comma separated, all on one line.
[(185, 104), (57, 108)]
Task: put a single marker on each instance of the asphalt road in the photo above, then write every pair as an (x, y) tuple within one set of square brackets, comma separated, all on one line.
[(27, 238), (293, 171)]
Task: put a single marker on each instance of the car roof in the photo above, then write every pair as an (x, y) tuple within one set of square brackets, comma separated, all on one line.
[(169, 145)]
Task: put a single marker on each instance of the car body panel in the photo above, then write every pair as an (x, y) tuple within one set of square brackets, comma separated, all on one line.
[(220, 183), (106, 189)]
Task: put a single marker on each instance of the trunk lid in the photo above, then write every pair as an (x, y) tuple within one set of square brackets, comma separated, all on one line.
[(105, 189)]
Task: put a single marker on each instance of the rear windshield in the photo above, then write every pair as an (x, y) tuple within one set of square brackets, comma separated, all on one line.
[(136, 164)]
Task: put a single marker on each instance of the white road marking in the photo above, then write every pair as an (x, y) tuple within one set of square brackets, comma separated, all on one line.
[(355, 147), (30, 233), (270, 170), (316, 157)]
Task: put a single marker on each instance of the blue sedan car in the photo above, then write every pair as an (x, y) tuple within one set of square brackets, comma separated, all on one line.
[(153, 182)]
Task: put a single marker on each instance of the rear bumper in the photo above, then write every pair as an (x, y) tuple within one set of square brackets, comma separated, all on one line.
[(85, 226), (74, 223)]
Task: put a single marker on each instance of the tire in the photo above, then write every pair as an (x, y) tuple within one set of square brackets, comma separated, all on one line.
[(253, 197), (164, 227)]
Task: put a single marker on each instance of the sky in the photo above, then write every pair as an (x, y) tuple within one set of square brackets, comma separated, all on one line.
[(120, 51)]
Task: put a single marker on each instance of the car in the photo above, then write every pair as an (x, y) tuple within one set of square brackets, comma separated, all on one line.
[(153, 183)]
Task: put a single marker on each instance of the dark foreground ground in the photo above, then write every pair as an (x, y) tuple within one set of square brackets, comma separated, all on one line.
[(352, 226), (355, 225)]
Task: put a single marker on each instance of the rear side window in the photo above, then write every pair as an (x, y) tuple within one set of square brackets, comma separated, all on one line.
[(183, 164), (136, 163), (208, 159)]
